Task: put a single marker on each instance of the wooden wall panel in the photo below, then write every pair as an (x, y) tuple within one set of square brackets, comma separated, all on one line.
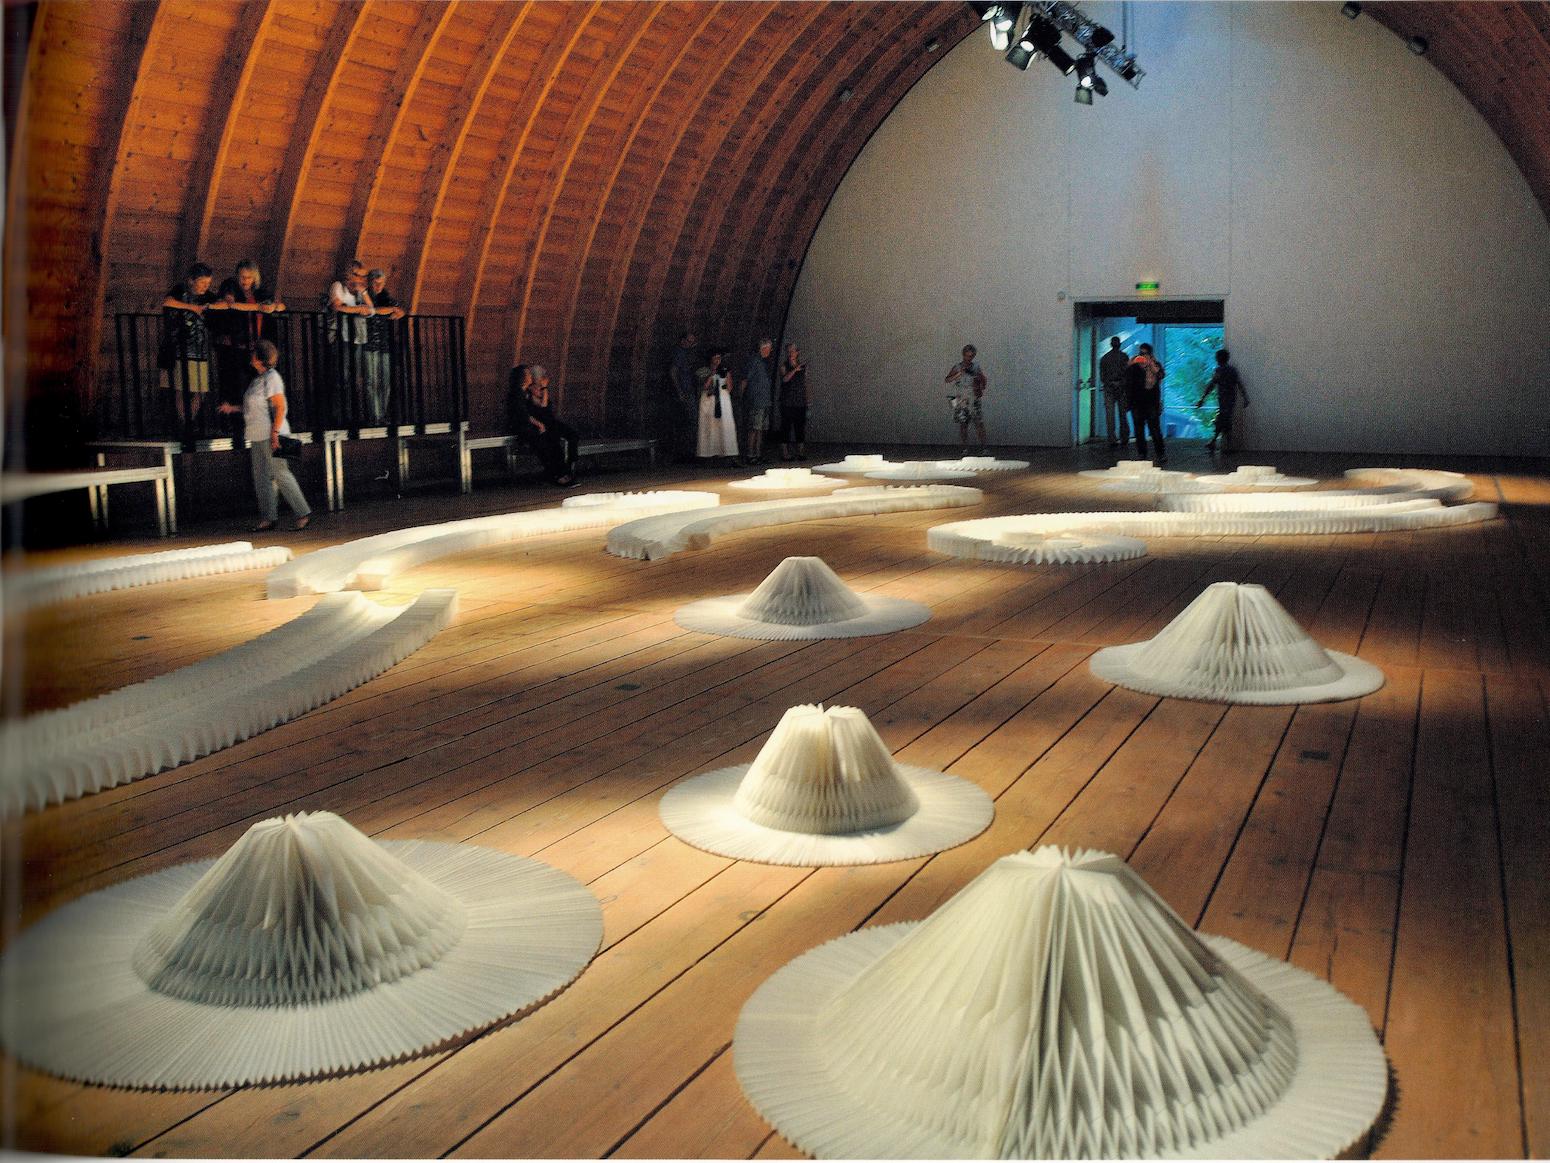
[(581, 179)]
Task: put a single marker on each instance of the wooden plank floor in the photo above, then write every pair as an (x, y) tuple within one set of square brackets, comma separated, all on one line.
[(1396, 844)]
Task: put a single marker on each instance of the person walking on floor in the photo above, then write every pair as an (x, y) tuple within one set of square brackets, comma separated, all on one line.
[(1143, 393), (757, 388), (1229, 388), (793, 404), (264, 422), (1111, 374)]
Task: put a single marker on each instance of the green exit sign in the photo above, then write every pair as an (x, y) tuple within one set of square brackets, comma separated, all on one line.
[(1150, 288)]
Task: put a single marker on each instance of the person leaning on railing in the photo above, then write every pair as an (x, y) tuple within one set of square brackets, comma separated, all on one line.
[(349, 306), (184, 354), (249, 304), (379, 345)]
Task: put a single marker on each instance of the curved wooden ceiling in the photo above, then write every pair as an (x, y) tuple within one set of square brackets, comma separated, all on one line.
[(580, 179)]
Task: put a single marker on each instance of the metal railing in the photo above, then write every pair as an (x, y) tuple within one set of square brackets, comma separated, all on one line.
[(165, 392)]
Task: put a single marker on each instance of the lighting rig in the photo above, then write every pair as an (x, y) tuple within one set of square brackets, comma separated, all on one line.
[(1042, 25)]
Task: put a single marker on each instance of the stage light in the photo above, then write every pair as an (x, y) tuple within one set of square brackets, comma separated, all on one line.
[(1350, 10), (1002, 21), (1417, 45), (1100, 37), (1061, 59), (1084, 96), (1020, 54), (1084, 70)]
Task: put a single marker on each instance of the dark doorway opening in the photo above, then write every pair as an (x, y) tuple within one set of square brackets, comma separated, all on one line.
[(1185, 335)]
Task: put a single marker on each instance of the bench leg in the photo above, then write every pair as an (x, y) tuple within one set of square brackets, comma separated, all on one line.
[(97, 499), (465, 465), (172, 492), (161, 507), (403, 464), (333, 475)]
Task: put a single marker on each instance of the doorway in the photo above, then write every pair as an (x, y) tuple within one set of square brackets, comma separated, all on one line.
[(1185, 335)]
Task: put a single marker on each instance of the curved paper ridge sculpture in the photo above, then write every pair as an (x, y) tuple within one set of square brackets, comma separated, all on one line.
[(1420, 482), (787, 478), (976, 538), (1056, 1007), (307, 949), (919, 470), (300, 910), (982, 464), (858, 462), (369, 562), (343, 641), (1331, 501), (802, 591), (801, 598), (653, 538), (824, 790), (1258, 476), (1236, 643), (1161, 481), (1035, 1033), (825, 772), (28, 589)]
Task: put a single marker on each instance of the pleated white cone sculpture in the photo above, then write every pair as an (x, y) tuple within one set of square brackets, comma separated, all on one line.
[(1236, 644), (825, 791), (786, 480), (1056, 1008), (306, 949), (802, 598)]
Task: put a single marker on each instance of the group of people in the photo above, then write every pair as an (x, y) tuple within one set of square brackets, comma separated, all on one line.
[(228, 323), (709, 397), (1132, 391)]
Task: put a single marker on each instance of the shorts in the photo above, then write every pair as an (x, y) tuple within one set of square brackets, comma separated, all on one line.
[(758, 419), (967, 408), (195, 376)]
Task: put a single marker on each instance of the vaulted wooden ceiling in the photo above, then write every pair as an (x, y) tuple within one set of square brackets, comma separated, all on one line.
[(580, 179)]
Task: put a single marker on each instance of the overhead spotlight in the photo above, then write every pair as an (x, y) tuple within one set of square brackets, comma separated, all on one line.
[(1100, 36), (1021, 54), (933, 44), (985, 10), (1084, 70), (1128, 70), (846, 94), (1061, 59), (1084, 96), (1002, 21), (1418, 45), (1350, 9)]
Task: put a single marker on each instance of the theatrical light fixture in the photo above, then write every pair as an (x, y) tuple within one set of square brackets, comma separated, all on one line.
[(1417, 45), (1047, 20), (1083, 96), (1350, 9)]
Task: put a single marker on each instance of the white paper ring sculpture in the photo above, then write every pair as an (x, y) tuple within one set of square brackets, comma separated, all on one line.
[(306, 949), (825, 791), (1236, 644), (801, 599), (1056, 1008), (778, 479)]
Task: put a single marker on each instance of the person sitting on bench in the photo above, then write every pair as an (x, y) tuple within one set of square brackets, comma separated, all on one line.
[(534, 422)]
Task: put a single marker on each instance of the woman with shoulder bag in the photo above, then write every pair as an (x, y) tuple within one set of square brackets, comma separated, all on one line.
[(264, 423)]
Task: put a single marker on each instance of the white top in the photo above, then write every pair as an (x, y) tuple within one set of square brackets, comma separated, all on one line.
[(351, 327), (257, 420)]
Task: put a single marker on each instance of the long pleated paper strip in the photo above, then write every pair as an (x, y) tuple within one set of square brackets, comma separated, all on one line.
[(983, 464), (778, 479), (1257, 476), (975, 539), (858, 462), (920, 470), (342, 642), (825, 791), (1055, 1008), (1235, 643), (306, 949), (1323, 500), (653, 538), (1074, 548), (802, 598), (1420, 482), (1161, 482), (1121, 470), (369, 562), (29, 589)]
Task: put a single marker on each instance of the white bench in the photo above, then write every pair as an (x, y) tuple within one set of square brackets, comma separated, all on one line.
[(515, 447), (18, 487)]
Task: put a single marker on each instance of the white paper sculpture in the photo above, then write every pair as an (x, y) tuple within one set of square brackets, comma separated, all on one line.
[(1161, 481), (369, 562), (1031, 547), (342, 642), (801, 599), (857, 462), (652, 538), (778, 479), (825, 791), (982, 464), (1236, 644), (306, 949), (1257, 476), (969, 539), (1056, 1008), (919, 470), (1419, 482), (29, 589), (1122, 470)]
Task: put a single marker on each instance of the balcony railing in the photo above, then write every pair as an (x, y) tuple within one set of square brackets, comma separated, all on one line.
[(331, 382)]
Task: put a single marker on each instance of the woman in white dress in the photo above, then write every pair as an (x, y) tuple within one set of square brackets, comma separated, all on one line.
[(718, 427)]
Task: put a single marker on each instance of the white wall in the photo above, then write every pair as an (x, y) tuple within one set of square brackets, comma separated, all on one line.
[(1385, 270)]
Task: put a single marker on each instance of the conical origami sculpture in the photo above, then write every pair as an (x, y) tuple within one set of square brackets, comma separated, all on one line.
[(824, 790), (1236, 644), (801, 598), (306, 949), (1056, 1008)]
